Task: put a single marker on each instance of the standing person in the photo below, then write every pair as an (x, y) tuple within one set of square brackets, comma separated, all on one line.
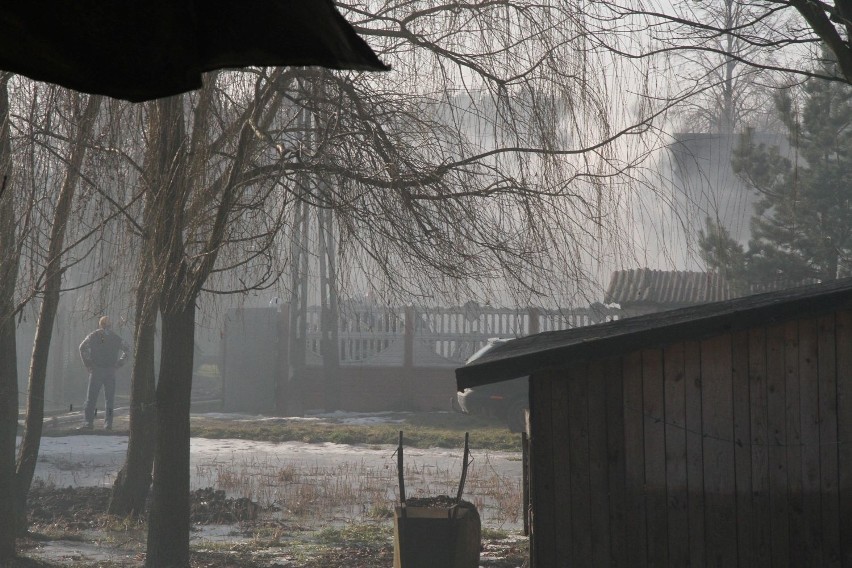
[(102, 352)]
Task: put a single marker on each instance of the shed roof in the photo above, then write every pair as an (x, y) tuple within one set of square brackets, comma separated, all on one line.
[(676, 287), (554, 349)]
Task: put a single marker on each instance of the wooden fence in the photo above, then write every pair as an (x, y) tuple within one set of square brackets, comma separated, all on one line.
[(378, 335), (390, 358)]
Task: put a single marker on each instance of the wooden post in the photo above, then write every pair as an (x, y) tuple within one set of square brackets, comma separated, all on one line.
[(408, 357), (408, 352), (400, 468), (464, 467), (535, 325), (525, 476), (223, 363), (282, 371)]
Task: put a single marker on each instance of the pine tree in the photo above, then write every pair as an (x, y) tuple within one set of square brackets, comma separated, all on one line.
[(722, 253), (802, 225)]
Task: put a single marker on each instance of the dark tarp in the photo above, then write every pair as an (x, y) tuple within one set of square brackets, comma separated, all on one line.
[(140, 50)]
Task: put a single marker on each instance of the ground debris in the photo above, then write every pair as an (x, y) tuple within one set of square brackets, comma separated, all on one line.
[(79, 512), (211, 506), (436, 502), (82, 507), (66, 505), (366, 557)]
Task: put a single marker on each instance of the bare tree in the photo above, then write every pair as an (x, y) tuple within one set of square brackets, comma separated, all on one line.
[(485, 165), (329, 308), (9, 255), (53, 139), (185, 174), (780, 35), (454, 175), (28, 453), (488, 163), (130, 489), (189, 142), (729, 94), (830, 26), (193, 195)]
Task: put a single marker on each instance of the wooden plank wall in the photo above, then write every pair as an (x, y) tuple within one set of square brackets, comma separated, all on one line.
[(735, 450)]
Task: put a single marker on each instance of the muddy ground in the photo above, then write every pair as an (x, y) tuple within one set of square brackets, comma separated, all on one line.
[(65, 519)]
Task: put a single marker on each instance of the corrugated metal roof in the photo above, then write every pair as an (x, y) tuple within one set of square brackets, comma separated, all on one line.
[(671, 288)]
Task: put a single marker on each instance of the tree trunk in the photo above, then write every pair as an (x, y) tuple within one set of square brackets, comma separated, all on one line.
[(8, 348), (168, 518), (8, 430), (28, 453), (130, 489), (133, 482), (329, 346), (31, 441), (168, 521), (297, 346)]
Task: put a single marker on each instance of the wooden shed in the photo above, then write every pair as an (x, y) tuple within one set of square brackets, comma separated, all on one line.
[(714, 435)]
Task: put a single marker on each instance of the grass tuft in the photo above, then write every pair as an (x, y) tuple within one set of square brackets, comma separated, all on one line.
[(421, 430), (364, 534)]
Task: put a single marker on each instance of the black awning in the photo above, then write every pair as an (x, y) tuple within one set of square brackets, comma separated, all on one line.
[(140, 50)]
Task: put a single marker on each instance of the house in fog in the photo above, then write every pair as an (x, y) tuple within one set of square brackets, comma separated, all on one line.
[(706, 182)]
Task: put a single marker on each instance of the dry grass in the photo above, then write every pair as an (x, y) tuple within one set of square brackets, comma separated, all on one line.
[(354, 491), (340, 514)]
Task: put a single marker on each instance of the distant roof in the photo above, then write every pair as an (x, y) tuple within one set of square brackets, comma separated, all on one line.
[(554, 349), (674, 288)]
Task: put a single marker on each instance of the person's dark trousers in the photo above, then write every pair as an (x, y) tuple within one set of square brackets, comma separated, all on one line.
[(100, 377)]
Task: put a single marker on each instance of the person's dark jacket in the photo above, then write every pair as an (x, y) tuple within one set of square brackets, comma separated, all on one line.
[(103, 349)]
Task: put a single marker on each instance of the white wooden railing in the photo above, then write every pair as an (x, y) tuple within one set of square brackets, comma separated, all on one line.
[(369, 334)]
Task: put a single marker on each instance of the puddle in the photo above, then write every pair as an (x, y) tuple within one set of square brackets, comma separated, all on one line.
[(84, 553), (215, 534)]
